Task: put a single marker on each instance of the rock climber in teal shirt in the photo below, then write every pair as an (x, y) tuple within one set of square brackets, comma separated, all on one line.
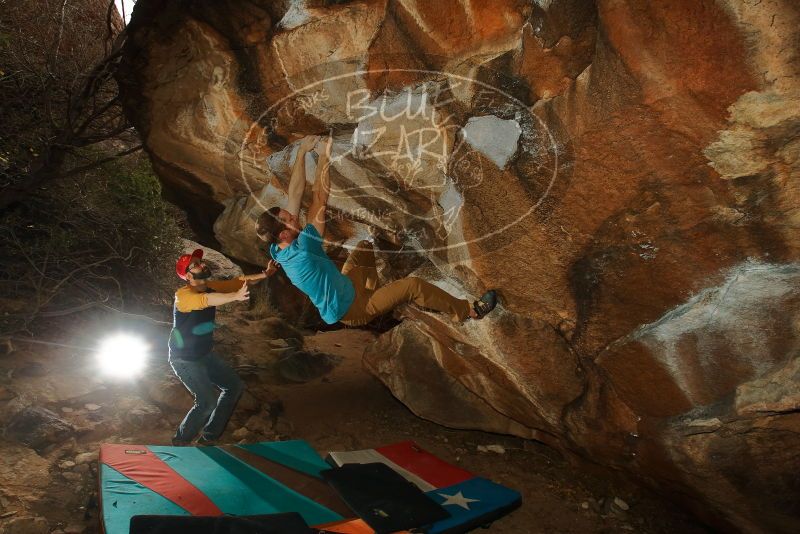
[(351, 296)]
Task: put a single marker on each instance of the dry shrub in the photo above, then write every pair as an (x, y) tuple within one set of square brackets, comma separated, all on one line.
[(97, 241)]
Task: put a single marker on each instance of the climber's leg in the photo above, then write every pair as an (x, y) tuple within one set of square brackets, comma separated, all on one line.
[(363, 258), (421, 293), (360, 269)]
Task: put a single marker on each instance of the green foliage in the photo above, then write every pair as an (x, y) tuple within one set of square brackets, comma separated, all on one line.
[(105, 238), (150, 224)]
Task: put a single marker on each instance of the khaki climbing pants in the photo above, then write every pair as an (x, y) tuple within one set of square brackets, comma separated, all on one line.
[(371, 301)]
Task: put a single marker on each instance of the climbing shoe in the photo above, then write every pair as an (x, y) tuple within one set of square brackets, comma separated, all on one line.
[(485, 304), (180, 443)]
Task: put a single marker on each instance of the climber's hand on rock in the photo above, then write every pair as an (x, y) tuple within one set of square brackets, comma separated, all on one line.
[(324, 151), (308, 142)]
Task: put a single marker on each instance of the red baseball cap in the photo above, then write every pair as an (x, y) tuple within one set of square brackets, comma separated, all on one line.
[(182, 265)]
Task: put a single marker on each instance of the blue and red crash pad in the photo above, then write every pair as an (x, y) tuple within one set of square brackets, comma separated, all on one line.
[(288, 477), (471, 501)]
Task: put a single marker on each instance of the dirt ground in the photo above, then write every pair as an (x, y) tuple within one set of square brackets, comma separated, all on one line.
[(341, 407), (350, 409)]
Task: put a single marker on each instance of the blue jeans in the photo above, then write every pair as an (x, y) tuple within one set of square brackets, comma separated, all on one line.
[(211, 410)]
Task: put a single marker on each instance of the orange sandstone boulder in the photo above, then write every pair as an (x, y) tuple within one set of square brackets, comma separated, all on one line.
[(625, 173)]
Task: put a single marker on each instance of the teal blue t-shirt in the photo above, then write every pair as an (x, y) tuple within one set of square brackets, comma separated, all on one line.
[(312, 271)]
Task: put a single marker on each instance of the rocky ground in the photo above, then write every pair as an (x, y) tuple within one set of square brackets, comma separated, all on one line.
[(625, 172), (56, 410)]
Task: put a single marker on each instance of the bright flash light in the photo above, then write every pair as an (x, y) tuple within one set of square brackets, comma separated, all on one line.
[(122, 355)]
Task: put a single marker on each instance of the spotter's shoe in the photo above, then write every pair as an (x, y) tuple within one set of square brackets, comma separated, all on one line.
[(206, 442)]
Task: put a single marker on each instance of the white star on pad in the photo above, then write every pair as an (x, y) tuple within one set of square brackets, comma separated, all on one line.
[(457, 499)]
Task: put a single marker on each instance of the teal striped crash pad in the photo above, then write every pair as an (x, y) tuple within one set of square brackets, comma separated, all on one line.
[(264, 479), (254, 479)]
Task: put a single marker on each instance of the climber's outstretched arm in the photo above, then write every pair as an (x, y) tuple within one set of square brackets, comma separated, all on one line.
[(297, 184), (321, 189)]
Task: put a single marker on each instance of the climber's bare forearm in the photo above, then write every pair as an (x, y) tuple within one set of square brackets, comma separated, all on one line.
[(297, 183), (319, 201), (321, 189)]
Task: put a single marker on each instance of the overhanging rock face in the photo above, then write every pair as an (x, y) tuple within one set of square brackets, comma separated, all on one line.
[(626, 173)]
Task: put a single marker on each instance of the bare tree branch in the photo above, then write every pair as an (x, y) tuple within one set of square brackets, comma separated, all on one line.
[(79, 106), (109, 25), (60, 31)]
